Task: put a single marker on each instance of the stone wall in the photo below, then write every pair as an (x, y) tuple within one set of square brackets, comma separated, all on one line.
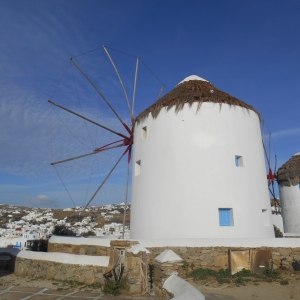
[(162, 271), (135, 265), (136, 272), (94, 250), (201, 257), (216, 258), (289, 253), (58, 271)]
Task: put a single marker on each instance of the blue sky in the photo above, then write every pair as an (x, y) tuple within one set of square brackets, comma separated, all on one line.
[(249, 49)]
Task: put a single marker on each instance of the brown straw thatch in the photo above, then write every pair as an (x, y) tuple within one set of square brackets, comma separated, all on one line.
[(189, 92), (289, 173)]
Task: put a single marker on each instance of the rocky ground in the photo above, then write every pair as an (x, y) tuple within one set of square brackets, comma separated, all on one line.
[(286, 286)]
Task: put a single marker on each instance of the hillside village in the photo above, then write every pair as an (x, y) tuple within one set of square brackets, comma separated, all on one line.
[(39, 223)]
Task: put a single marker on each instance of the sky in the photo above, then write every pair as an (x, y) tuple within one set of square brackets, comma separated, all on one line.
[(249, 49)]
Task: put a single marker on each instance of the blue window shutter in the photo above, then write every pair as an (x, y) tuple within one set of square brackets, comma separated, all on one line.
[(225, 216), (237, 162)]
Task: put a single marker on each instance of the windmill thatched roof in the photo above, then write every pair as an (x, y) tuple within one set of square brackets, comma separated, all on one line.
[(192, 90), (289, 173)]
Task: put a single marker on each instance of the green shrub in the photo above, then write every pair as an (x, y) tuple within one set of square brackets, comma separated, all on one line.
[(63, 231), (240, 281), (89, 233), (271, 273), (115, 288), (223, 276), (202, 273), (185, 265), (284, 282), (277, 232), (244, 273)]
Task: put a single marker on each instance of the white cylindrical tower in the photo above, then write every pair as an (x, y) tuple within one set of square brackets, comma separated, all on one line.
[(199, 169), (288, 177)]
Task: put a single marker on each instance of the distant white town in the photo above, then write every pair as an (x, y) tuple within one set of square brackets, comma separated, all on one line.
[(19, 226)]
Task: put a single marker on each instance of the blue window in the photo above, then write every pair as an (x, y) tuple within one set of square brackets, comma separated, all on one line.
[(225, 217), (238, 161), (299, 185)]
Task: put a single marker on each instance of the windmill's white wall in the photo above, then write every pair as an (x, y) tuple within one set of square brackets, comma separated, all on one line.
[(290, 208), (188, 171)]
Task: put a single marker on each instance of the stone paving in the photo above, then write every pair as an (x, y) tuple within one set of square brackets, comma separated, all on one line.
[(22, 293)]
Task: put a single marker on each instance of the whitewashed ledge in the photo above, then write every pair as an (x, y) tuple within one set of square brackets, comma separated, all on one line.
[(221, 242), (65, 258), (70, 240), (225, 242)]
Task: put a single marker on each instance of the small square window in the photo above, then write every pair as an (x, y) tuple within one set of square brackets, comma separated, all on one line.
[(239, 161), (225, 217), (144, 132), (137, 168)]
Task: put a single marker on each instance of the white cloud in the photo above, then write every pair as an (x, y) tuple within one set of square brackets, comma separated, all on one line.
[(286, 133), (41, 201)]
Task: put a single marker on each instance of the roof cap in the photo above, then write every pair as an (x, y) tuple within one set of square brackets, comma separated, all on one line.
[(168, 255), (192, 77), (138, 248)]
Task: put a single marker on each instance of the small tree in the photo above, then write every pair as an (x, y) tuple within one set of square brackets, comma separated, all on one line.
[(63, 230), (39, 245), (89, 233), (277, 232)]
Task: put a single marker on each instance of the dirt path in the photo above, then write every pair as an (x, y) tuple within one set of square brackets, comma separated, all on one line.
[(255, 289), (252, 290), (7, 278)]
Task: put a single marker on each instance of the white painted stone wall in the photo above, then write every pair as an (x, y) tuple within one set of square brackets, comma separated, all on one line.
[(184, 242), (278, 222), (290, 208), (187, 172)]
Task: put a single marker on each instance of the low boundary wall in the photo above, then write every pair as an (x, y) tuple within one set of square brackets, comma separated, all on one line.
[(135, 259), (57, 266), (79, 245), (205, 253)]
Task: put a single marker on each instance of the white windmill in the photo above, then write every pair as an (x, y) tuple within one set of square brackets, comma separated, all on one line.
[(199, 169), (288, 178)]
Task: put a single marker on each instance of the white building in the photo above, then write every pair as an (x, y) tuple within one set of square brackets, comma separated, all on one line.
[(199, 169), (288, 177)]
